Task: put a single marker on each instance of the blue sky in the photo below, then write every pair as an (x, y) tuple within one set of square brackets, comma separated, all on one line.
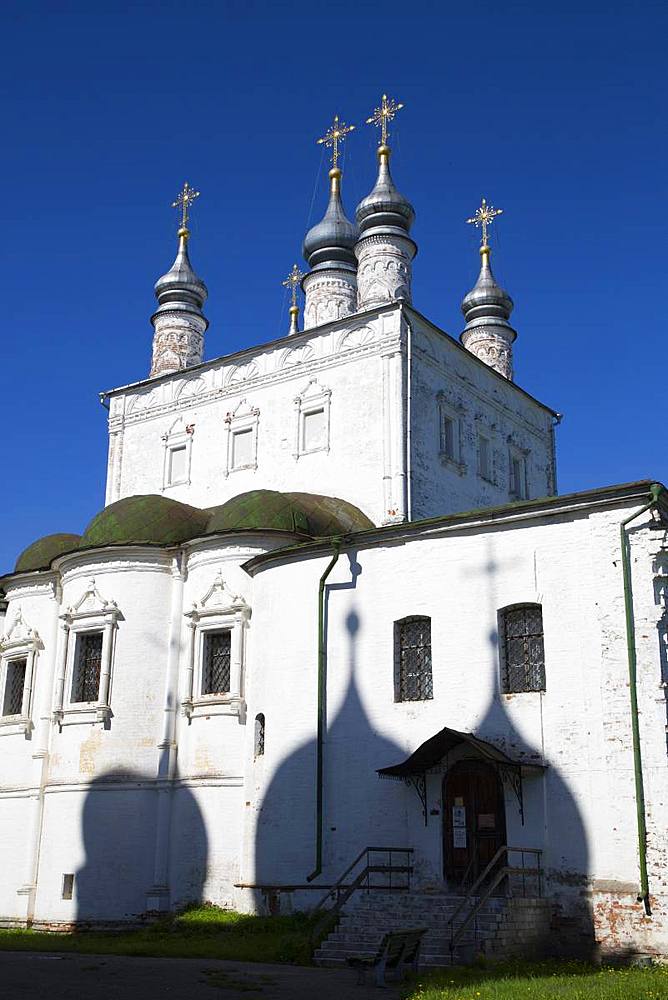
[(556, 114)]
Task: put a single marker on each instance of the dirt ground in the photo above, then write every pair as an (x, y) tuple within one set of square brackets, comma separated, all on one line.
[(35, 976)]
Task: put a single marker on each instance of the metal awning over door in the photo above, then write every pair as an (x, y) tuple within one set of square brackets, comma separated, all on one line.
[(431, 757)]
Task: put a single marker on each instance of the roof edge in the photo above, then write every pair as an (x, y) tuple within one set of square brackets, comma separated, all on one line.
[(518, 510), (460, 347), (290, 338)]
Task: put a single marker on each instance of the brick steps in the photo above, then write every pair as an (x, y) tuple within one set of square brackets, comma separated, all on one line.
[(365, 919)]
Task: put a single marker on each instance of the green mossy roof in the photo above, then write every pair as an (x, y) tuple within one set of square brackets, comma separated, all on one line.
[(41, 553), (300, 513), (157, 520), (148, 520)]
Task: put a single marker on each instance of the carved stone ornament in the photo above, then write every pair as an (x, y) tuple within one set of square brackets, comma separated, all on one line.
[(491, 347), (384, 272), (328, 296), (178, 343), (218, 598), (19, 635)]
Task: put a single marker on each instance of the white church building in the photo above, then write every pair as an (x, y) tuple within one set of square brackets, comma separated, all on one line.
[(335, 602)]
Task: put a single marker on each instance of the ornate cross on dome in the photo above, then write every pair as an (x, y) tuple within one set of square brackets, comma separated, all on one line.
[(291, 282), (384, 114), (483, 218), (335, 134), (184, 200)]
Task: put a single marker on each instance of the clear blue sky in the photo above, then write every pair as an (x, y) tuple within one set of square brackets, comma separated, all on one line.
[(556, 113)]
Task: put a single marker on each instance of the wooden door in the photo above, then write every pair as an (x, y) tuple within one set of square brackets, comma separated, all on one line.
[(474, 820)]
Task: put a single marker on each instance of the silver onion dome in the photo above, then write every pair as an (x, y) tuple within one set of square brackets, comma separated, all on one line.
[(487, 300), (385, 208), (331, 241), (180, 289)]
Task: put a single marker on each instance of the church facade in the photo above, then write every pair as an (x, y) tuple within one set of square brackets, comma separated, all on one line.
[(334, 600)]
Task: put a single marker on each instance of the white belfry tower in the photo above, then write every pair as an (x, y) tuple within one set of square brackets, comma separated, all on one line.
[(330, 287), (384, 249), (179, 324), (487, 307)]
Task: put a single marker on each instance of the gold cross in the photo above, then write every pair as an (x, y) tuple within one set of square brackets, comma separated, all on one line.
[(384, 114), (335, 134), (183, 202), (291, 282), (484, 217)]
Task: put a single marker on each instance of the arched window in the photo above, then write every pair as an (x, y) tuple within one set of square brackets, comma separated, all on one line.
[(259, 735), (522, 648), (412, 659)]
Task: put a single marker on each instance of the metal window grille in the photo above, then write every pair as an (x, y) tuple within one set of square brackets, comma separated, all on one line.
[(524, 649), (88, 663), (413, 680), (14, 684), (259, 735), (216, 662)]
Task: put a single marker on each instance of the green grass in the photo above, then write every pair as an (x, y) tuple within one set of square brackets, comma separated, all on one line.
[(198, 932), (544, 981)]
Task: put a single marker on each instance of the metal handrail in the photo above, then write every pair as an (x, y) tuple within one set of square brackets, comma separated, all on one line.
[(496, 880), (338, 887)]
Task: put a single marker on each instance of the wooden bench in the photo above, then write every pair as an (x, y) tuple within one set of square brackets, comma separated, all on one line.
[(397, 954)]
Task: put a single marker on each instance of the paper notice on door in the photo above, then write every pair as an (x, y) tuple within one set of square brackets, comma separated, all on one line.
[(486, 821), (459, 836), (458, 816)]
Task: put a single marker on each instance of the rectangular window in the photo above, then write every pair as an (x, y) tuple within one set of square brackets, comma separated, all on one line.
[(523, 648), (14, 684), (242, 448), (315, 430), (516, 477), (216, 662), (447, 437), (178, 458), (68, 886), (484, 457), (87, 664), (412, 657)]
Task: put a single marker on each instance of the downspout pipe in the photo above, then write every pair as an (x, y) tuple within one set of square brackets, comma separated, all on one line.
[(322, 688), (643, 896)]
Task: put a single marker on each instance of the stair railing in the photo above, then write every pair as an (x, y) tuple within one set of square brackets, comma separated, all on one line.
[(472, 903), (341, 891)]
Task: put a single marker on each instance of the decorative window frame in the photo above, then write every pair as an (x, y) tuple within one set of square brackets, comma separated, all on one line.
[(243, 417), (521, 454), (312, 398), (453, 413), (91, 613), (218, 609), (484, 428), (179, 435), (20, 642)]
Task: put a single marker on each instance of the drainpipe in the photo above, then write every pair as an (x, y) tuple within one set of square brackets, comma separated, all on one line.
[(322, 687), (643, 896)]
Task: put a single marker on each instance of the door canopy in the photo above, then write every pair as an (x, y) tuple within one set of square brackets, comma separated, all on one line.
[(432, 756)]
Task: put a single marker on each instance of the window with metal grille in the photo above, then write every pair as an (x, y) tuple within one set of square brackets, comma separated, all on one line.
[(259, 735), (412, 659), (87, 664), (523, 648), (14, 684), (216, 657)]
